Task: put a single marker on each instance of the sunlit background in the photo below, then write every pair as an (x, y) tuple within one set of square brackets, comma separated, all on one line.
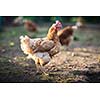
[(86, 39)]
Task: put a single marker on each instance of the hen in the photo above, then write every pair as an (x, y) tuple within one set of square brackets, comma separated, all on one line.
[(65, 35), (80, 22), (18, 21), (41, 50), (29, 25)]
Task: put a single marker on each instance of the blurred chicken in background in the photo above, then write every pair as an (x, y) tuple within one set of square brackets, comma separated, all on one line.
[(66, 35), (18, 21), (80, 22), (29, 25)]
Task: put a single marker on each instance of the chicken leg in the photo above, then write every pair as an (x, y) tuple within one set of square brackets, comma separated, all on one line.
[(40, 68)]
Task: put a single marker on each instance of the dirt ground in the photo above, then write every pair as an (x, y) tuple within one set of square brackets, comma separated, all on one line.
[(79, 63)]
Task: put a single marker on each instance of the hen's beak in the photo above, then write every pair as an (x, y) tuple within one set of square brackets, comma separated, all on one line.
[(58, 28)]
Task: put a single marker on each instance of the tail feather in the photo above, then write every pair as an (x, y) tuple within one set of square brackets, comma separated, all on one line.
[(21, 37)]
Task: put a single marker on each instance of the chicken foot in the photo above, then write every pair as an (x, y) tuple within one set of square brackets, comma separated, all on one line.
[(40, 68)]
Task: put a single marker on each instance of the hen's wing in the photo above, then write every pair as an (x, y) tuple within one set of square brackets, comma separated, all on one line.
[(44, 46), (36, 45), (55, 49)]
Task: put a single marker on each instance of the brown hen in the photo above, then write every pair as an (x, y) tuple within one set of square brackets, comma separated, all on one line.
[(41, 50), (29, 25), (65, 35)]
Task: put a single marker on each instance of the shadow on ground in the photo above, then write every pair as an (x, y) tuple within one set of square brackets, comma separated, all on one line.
[(11, 71)]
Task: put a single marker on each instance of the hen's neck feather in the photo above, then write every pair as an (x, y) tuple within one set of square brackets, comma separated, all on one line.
[(52, 34)]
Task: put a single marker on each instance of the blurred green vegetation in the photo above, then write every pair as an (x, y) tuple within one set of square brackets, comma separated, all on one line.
[(88, 19), (1, 23), (70, 19), (7, 20)]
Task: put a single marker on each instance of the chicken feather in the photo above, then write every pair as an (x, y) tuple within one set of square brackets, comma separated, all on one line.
[(42, 49)]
